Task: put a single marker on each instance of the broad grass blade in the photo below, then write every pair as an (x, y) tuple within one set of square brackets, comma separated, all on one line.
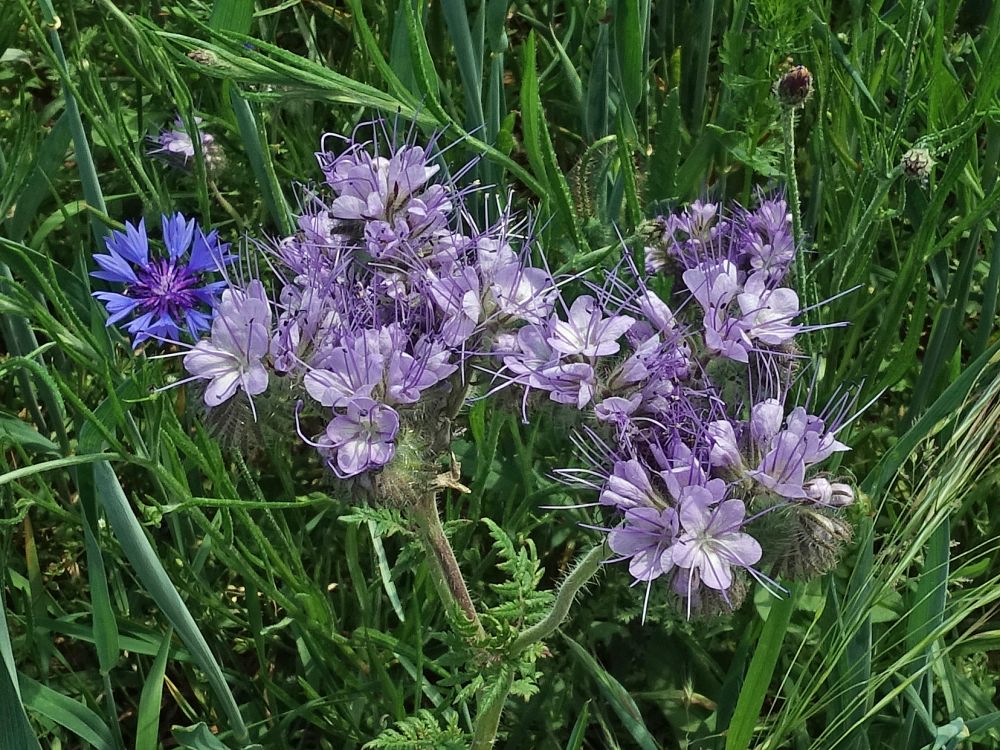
[(150, 571)]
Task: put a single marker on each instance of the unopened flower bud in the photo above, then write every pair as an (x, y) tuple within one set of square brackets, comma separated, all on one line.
[(204, 57), (795, 87), (725, 453), (832, 494), (765, 420), (843, 495), (917, 164)]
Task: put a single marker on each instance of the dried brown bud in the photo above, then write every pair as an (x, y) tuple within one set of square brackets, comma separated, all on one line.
[(795, 87), (203, 57)]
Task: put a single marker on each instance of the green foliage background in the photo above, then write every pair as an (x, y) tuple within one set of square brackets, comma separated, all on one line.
[(152, 580)]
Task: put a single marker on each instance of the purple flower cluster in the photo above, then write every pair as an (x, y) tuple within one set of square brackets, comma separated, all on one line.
[(701, 438), (697, 399), (734, 268), (162, 293), (386, 289)]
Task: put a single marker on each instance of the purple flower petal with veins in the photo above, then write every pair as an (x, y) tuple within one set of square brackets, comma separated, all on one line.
[(363, 437), (711, 542), (645, 538), (587, 331), (231, 358)]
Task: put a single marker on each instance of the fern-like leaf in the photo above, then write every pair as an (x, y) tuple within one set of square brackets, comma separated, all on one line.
[(422, 731)]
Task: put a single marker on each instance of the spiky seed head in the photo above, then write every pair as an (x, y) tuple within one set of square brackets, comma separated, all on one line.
[(816, 540), (795, 87)]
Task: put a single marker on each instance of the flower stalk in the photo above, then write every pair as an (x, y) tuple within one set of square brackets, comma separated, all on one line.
[(582, 572), (445, 571), (807, 287), (488, 720)]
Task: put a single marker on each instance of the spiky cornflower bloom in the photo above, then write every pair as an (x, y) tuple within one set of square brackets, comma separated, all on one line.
[(175, 146), (163, 292), (386, 292)]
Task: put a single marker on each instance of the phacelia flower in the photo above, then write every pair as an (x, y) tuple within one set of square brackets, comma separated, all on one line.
[(695, 445), (231, 359), (176, 147), (363, 436), (712, 543), (385, 292), (162, 293)]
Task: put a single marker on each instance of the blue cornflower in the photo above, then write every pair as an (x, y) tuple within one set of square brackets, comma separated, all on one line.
[(162, 294)]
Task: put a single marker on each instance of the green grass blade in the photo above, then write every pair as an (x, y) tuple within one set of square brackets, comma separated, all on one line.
[(616, 695), (926, 617), (538, 145), (38, 188), (7, 653), (198, 737), (150, 571), (261, 163), (630, 34), (729, 693), (67, 713), (385, 572), (15, 731), (596, 119), (945, 405), (703, 48), (469, 68), (759, 673), (148, 719), (89, 180), (576, 736), (232, 15)]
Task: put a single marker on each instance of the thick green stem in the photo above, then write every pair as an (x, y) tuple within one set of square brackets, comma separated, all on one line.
[(488, 720), (443, 564)]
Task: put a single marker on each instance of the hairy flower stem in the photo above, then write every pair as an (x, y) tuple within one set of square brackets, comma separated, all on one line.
[(788, 139), (583, 571), (488, 720), (807, 288), (443, 564)]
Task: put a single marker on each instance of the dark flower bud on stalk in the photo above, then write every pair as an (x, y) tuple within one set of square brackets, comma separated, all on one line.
[(795, 87), (917, 164)]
